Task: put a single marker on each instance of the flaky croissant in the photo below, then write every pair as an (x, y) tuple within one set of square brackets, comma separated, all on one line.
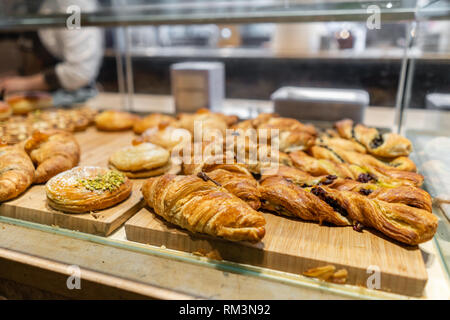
[(388, 145), (396, 220), (241, 185), (16, 172), (52, 151), (203, 207)]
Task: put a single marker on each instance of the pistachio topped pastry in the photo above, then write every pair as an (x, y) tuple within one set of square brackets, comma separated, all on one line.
[(86, 189), (110, 181)]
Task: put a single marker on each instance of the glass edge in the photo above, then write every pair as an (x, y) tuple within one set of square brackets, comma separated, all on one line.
[(347, 291)]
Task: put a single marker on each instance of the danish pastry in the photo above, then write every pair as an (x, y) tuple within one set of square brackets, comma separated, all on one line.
[(113, 120), (143, 160), (150, 121), (86, 189)]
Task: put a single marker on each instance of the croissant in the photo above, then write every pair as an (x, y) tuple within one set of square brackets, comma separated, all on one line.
[(319, 167), (388, 145), (53, 151), (286, 198), (203, 207), (241, 185), (112, 120), (16, 172), (336, 154), (209, 122), (398, 221)]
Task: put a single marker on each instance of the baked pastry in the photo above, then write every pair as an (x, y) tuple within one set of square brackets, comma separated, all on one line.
[(387, 145), (292, 135), (150, 121), (242, 185), (141, 161), (363, 160), (396, 220), (286, 198), (165, 136), (52, 152), (388, 177), (113, 120), (16, 172), (87, 189), (202, 206), (340, 143), (320, 167), (22, 103), (5, 111), (411, 196)]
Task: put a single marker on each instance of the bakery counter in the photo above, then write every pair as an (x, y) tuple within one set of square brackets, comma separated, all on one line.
[(48, 254)]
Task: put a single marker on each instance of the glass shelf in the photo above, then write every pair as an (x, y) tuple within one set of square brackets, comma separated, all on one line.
[(24, 14)]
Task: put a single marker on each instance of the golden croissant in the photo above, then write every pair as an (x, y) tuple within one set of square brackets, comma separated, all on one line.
[(16, 172), (203, 207), (53, 151)]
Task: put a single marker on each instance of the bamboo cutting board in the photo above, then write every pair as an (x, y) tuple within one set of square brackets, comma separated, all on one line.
[(295, 246), (96, 147)]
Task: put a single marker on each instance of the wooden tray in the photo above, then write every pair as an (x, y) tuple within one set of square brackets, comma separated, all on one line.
[(96, 147), (295, 246)]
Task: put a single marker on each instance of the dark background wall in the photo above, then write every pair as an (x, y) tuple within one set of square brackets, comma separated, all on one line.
[(258, 78)]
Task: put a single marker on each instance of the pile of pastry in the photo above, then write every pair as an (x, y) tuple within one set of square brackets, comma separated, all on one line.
[(17, 128), (351, 175)]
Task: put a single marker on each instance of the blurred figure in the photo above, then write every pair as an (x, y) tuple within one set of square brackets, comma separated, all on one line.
[(59, 58)]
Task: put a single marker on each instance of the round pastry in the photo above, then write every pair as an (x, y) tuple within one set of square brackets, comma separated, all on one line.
[(25, 102), (5, 111), (113, 120), (151, 121), (87, 189), (143, 159)]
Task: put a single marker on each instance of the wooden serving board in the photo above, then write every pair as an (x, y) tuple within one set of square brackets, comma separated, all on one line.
[(96, 147), (295, 246)]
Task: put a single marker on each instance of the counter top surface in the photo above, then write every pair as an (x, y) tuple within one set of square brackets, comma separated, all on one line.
[(162, 273)]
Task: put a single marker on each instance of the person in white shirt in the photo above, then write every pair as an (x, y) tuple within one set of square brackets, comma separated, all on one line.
[(77, 54)]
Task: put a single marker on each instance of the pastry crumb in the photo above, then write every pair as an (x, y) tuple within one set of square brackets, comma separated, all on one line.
[(328, 273), (213, 254)]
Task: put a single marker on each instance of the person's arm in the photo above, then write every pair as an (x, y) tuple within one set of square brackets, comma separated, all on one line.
[(29, 83)]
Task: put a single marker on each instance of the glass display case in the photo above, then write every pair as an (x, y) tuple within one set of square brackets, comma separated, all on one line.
[(395, 51)]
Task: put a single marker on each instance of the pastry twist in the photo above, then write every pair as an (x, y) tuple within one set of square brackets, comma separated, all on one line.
[(388, 145)]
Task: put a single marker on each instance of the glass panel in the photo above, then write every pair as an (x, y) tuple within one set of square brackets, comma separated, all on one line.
[(427, 111)]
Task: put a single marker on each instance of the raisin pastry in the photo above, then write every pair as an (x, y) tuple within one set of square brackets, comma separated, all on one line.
[(388, 145), (396, 220), (286, 198)]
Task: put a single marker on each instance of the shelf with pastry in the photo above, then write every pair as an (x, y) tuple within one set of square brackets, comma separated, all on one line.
[(350, 184)]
